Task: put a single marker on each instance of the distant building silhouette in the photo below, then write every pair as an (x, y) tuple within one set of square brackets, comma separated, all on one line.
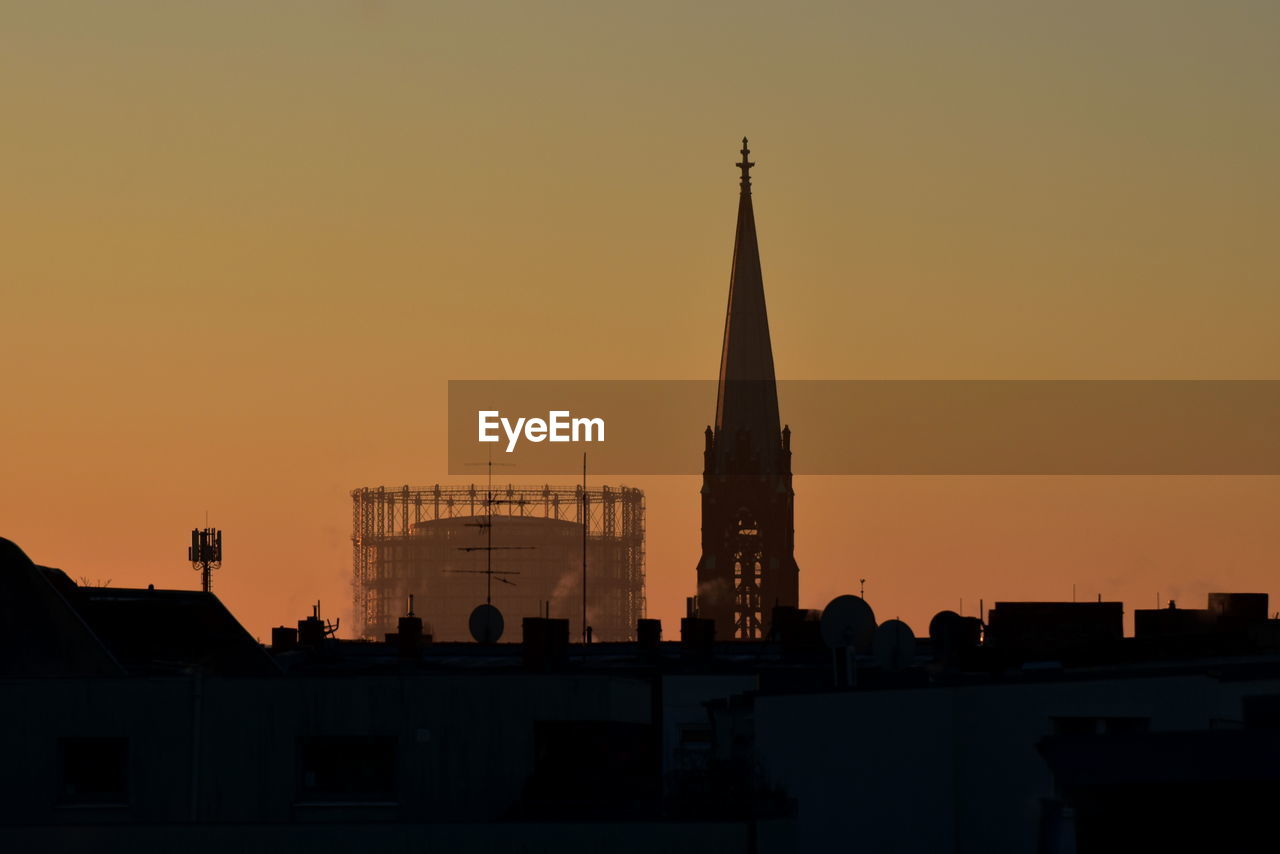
[(748, 532), (431, 542)]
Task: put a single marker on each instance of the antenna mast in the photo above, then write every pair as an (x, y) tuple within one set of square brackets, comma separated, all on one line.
[(205, 554), (489, 572)]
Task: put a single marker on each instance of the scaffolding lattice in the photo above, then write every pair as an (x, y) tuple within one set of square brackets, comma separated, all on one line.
[(404, 539)]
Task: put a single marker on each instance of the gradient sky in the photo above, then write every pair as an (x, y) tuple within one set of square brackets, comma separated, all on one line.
[(244, 245)]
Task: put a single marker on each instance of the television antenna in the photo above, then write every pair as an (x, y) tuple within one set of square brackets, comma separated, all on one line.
[(330, 629), (486, 623), (489, 548)]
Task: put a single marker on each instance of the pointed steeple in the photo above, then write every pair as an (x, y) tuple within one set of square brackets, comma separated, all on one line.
[(748, 564), (747, 400)]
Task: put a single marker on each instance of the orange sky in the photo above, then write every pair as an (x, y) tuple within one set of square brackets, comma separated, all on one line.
[(245, 246)]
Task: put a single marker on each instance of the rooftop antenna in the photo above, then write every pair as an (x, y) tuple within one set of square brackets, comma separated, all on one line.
[(586, 510), (489, 572), (330, 629), (486, 622), (205, 553)]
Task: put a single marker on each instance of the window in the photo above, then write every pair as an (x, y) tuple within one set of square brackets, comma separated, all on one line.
[(94, 771), (347, 768)]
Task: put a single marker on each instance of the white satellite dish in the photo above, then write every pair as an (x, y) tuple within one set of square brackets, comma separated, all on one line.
[(486, 624), (848, 621), (895, 645)]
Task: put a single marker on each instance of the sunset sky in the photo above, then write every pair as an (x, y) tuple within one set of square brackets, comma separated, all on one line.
[(245, 245)]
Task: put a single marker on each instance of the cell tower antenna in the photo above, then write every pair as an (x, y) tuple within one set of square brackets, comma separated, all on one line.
[(205, 553)]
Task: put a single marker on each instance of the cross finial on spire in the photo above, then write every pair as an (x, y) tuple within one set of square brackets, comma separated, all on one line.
[(745, 165)]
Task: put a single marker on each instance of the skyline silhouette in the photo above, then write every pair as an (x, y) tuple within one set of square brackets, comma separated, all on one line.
[(269, 266), (211, 284)]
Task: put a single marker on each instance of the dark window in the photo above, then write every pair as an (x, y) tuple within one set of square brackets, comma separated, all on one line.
[(347, 768), (94, 770)]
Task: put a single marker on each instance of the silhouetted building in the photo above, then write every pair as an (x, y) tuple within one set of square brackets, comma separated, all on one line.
[(150, 720), (51, 626), (748, 530), (1126, 790), (433, 543), (1050, 629)]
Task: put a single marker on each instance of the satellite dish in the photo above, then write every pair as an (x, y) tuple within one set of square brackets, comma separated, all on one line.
[(952, 633), (895, 645), (848, 621), (486, 624), (943, 625)]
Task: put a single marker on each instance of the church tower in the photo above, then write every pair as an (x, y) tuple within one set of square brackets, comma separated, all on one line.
[(748, 516)]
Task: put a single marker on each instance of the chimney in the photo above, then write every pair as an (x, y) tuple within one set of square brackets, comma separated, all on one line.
[(409, 636), (283, 639), (696, 636), (795, 628), (545, 642), (784, 622), (311, 632), (648, 634)]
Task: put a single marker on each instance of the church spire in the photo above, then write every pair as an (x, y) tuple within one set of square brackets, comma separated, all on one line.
[(748, 564), (747, 399)]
